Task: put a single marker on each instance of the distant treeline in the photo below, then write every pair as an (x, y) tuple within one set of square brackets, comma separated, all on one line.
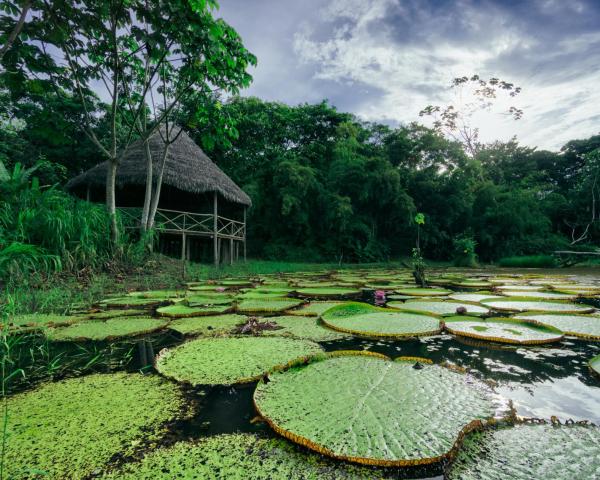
[(326, 186)]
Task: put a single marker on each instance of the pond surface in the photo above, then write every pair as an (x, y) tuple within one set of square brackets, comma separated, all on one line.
[(542, 381)]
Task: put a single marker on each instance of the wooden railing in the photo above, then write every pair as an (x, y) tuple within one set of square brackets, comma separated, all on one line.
[(173, 221)]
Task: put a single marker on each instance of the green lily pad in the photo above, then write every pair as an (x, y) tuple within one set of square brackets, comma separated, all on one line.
[(303, 327), (180, 311), (520, 288), (541, 295), (202, 300), (313, 309), (207, 288), (327, 292), (368, 409), (158, 294), (241, 456), (365, 320), (110, 329), (73, 428), (267, 305), (438, 307), (504, 330), (423, 292), (518, 304), (226, 361), (127, 302), (595, 364), (36, 321), (473, 297), (207, 325), (584, 326), (236, 283), (116, 312), (524, 452), (472, 284)]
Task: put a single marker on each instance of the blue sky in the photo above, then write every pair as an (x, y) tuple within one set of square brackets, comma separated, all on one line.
[(384, 60)]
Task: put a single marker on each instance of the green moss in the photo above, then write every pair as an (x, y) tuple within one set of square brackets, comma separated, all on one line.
[(225, 361), (365, 320), (524, 452), (438, 307), (181, 311), (71, 429), (207, 325), (267, 305), (241, 456), (372, 410), (308, 328), (110, 329)]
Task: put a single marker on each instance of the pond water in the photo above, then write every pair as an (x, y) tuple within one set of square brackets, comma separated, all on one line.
[(542, 381)]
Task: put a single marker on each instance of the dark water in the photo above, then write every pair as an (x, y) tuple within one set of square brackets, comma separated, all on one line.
[(542, 381)]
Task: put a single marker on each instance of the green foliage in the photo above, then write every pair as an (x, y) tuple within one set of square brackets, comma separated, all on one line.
[(464, 251), (528, 261)]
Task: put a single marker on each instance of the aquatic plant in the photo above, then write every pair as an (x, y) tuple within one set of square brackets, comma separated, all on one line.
[(253, 326), (583, 326), (595, 364), (308, 328), (518, 304), (110, 329), (267, 305), (36, 321), (313, 309), (327, 292), (182, 311), (439, 307), (423, 292), (365, 408), (226, 361), (369, 321), (73, 428), (528, 451), (207, 325)]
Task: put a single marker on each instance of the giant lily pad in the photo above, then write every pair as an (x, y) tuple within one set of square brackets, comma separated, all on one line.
[(473, 297), (225, 361), (514, 304), (584, 326), (207, 325), (595, 364), (369, 409), (110, 329), (36, 321), (181, 311), (267, 305), (524, 452), (539, 295), (303, 327), (131, 301), (73, 428), (365, 320), (313, 309), (438, 307), (158, 294), (505, 330), (241, 456), (423, 292), (205, 300), (327, 292)]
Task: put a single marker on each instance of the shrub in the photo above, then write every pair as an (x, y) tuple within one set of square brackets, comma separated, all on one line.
[(528, 261), (464, 251)]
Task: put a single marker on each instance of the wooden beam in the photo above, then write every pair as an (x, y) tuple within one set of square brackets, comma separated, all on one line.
[(215, 227)]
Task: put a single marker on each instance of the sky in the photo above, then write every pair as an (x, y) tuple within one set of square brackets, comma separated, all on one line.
[(385, 60)]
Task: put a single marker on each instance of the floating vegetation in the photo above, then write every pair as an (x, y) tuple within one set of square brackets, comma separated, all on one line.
[(595, 364), (473, 297), (36, 321), (131, 302), (110, 329), (504, 330), (423, 292), (308, 328), (116, 312), (518, 304), (207, 325), (203, 300), (73, 428), (226, 361), (529, 451), (584, 326), (181, 311), (267, 305), (439, 307), (327, 292), (313, 309), (158, 294), (240, 456), (368, 409), (472, 284), (365, 320), (536, 294)]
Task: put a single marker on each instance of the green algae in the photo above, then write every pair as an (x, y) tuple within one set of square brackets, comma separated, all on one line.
[(584, 326), (504, 330), (110, 329), (369, 321), (207, 325), (238, 457), (423, 292), (308, 328), (73, 428), (226, 361), (313, 309), (524, 452), (438, 307), (182, 311), (267, 305), (519, 304), (368, 409)]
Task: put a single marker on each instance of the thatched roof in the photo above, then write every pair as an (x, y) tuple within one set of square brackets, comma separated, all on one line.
[(187, 168)]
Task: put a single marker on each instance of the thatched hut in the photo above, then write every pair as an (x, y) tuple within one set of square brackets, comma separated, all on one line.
[(197, 201)]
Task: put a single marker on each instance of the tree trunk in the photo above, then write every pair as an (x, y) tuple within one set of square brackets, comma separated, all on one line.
[(157, 188), (111, 204), (145, 222)]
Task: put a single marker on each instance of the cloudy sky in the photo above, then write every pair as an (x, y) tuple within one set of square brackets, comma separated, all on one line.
[(384, 60)]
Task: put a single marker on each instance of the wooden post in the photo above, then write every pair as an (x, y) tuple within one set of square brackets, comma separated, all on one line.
[(231, 251), (215, 228), (244, 234), (183, 250), (87, 193)]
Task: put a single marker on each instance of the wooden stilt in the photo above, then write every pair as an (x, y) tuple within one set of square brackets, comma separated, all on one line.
[(244, 234), (231, 251), (183, 247), (215, 229)]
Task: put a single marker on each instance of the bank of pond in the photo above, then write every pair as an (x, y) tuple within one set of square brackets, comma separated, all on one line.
[(326, 375)]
